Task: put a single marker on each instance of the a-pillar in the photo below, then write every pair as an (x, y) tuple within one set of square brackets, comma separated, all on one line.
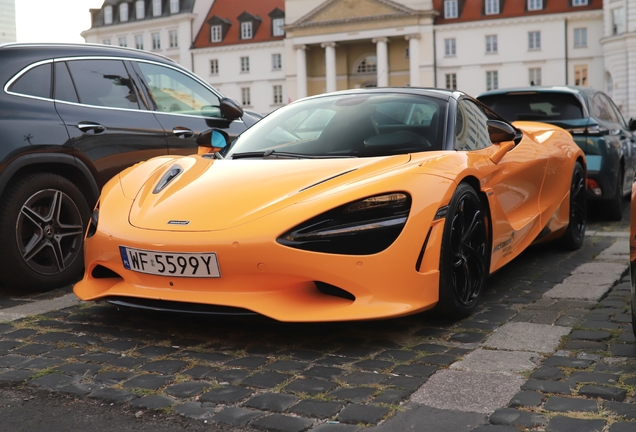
[(383, 60), (414, 60), (330, 65), (301, 70)]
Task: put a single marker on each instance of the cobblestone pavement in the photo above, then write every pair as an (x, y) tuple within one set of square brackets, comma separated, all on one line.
[(550, 348)]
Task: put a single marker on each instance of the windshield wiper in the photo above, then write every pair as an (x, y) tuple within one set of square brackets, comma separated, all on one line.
[(273, 154)]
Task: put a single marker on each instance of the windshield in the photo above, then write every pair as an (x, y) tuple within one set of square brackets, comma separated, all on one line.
[(540, 106), (359, 125)]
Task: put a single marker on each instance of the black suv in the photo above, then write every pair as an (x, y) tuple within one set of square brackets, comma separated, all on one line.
[(596, 125), (73, 116)]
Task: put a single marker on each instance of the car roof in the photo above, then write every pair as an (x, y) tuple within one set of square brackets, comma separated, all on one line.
[(422, 91), (52, 50), (575, 90)]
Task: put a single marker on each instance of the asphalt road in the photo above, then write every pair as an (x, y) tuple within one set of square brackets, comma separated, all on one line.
[(99, 367)]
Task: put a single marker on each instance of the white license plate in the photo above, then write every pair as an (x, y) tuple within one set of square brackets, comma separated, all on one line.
[(200, 265)]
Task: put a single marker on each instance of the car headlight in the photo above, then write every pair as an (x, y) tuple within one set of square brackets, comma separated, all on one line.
[(362, 227)]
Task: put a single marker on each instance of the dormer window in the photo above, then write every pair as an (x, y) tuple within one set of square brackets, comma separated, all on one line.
[(218, 28), (174, 6), (492, 7), (535, 5), (140, 7), (246, 30), (123, 12), (278, 20), (216, 33), (156, 7), (450, 9), (108, 14), (579, 2)]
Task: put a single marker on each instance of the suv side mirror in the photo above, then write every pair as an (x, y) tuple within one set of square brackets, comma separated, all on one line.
[(230, 109), (631, 124)]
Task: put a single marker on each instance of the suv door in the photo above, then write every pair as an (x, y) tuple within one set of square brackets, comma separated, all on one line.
[(184, 106), (105, 115)]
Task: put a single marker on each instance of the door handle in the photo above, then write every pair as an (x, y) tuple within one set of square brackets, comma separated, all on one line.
[(88, 126), (182, 132)]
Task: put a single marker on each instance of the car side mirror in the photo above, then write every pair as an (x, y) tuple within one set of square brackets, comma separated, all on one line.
[(631, 124), (212, 141), (500, 131), (230, 109)]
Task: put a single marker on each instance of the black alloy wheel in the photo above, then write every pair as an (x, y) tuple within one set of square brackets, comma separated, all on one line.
[(614, 209), (42, 230), (465, 254), (575, 232)]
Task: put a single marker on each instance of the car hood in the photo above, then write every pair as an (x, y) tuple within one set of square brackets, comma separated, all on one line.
[(211, 194)]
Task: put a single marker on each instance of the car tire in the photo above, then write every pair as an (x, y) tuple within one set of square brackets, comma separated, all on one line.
[(574, 235), (614, 209), (465, 254), (42, 224)]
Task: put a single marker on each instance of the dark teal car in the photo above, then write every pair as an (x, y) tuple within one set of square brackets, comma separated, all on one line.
[(595, 123)]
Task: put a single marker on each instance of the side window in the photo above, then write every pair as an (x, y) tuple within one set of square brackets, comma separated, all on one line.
[(34, 82), (64, 88), (175, 92), (104, 83), (471, 129), (602, 108)]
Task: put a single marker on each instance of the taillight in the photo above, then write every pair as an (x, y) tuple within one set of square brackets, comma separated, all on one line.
[(593, 186)]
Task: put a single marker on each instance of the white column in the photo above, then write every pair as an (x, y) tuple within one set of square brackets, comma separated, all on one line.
[(301, 71), (414, 60), (383, 60), (330, 65)]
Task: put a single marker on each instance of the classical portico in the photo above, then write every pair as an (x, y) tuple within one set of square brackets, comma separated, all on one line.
[(343, 44)]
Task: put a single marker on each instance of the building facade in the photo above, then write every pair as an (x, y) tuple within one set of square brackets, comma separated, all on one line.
[(163, 26), (240, 50), (7, 21)]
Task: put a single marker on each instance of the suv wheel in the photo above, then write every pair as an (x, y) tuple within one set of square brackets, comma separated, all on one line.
[(614, 209), (42, 227)]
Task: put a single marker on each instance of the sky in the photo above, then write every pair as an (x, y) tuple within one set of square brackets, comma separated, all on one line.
[(53, 20)]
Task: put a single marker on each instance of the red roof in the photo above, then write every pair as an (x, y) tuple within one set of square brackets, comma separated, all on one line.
[(473, 10), (230, 10)]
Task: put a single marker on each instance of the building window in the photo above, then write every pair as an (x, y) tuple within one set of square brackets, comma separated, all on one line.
[(108, 14), (491, 44), (140, 7), (246, 30), (451, 81), (156, 41), (492, 7), (216, 33), (174, 6), (277, 61), (535, 5), (368, 65), (580, 37), (534, 40), (156, 7), (579, 2), (214, 67), (450, 9), (580, 75), (245, 64), (492, 80), (278, 94), (449, 47), (139, 42), (618, 21), (123, 12), (106, 42), (534, 76), (123, 42), (174, 38), (246, 99), (277, 27)]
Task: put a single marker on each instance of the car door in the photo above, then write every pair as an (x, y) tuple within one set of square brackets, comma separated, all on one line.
[(105, 115), (512, 185), (184, 105)]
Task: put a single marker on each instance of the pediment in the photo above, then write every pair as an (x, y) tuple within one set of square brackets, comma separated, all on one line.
[(334, 11)]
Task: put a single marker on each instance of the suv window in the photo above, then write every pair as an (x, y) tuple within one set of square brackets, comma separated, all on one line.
[(602, 108), (64, 89), (175, 92), (103, 83), (34, 82), (471, 132), (540, 106)]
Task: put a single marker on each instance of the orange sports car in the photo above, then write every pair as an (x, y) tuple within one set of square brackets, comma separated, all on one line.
[(352, 205)]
